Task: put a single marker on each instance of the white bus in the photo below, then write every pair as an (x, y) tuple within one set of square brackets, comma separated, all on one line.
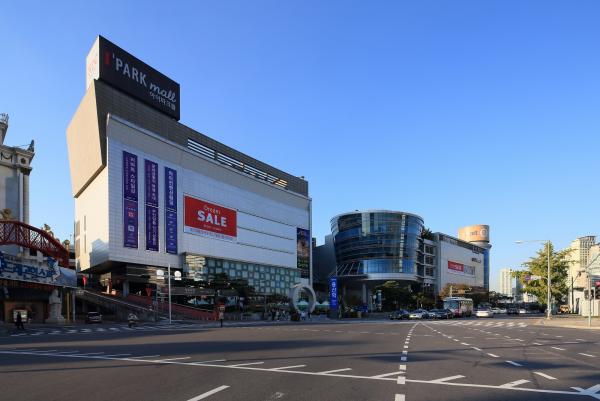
[(461, 307)]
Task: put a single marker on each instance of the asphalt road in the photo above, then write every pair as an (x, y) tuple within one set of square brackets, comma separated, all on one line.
[(491, 359)]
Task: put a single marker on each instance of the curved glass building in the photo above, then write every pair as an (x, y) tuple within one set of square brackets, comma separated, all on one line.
[(377, 245)]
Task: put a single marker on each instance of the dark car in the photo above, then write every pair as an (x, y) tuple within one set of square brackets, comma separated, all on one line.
[(93, 317), (399, 315), (512, 311), (440, 314)]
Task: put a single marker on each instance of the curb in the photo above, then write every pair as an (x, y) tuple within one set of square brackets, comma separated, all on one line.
[(542, 322)]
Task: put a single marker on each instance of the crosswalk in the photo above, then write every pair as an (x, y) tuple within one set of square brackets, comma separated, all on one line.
[(70, 330), (480, 323)]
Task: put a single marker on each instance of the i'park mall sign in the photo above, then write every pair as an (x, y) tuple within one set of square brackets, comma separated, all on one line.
[(109, 63)]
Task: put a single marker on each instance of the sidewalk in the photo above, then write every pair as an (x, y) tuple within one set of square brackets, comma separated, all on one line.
[(569, 321)]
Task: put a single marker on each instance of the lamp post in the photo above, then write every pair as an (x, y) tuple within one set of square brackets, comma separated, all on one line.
[(549, 280), (160, 274)]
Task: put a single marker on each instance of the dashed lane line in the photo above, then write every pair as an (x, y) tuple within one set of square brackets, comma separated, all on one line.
[(208, 393), (514, 384), (336, 370), (447, 379), (545, 375), (514, 363), (289, 367), (588, 355), (557, 348), (508, 386), (493, 355)]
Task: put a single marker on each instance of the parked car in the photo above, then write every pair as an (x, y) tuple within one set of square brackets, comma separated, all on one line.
[(450, 313), (419, 314), (399, 314), (499, 311), (93, 317), (512, 311), (440, 314), (522, 311), (484, 312)]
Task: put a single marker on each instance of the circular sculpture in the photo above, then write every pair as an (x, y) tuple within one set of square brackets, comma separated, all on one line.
[(294, 295)]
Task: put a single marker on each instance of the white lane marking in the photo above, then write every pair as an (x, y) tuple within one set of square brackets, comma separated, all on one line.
[(401, 380), (208, 393), (580, 339), (403, 358), (335, 371), (560, 349), (404, 352), (289, 367), (47, 350), (387, 374), (406, 346), (108, 356), (514, 363), (476, 349), (66, 352), (578, 391), (515, 383), (469, 344), (92, 353), (214, 360), (446, 379), (246, 364), (176, 359), (590, 391), (402, 367), (537, 344), (493, 355), (399, 397), (591, 356), (545, 375), (145, 356)]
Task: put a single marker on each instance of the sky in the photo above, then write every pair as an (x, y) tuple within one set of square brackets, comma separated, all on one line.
[(463, 112)]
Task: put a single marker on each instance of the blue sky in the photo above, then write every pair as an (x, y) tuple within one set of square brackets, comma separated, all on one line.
[(463, 112)]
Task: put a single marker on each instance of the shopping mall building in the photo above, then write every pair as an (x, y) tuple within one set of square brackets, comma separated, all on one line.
[(368, 248), (151, 192)]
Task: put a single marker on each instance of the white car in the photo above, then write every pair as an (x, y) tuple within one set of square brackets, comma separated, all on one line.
[(418, 314), (484, 313)]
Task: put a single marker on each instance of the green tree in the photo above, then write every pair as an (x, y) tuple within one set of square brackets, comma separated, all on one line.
[(427, 234), (394, 295), (538, 266)]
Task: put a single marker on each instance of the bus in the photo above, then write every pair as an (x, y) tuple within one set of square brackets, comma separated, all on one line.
[(461, 307)]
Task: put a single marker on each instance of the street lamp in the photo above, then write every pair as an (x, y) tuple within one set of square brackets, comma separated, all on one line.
[(547, 242), (160, 274)]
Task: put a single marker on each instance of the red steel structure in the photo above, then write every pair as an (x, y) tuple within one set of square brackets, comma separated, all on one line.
[(13, 232)]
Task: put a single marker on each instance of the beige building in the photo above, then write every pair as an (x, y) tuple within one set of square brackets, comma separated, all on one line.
[(577, 278)]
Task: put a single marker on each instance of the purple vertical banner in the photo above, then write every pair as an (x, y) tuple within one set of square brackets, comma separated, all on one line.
[(130, 197), (151, 182), (170, 189), (152, 228), (130, 187), (171, 231), (170, 210), (130, 223)]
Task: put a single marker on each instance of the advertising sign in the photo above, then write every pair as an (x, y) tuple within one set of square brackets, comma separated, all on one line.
[(210, 220), (130, 189), (130, 224), (171, 231), (333, 293), (113, 65), (51, 274), (303, 252), (170, 189), (458, 267), (475, 233), (151, 228), (170, 210), (151, 182)]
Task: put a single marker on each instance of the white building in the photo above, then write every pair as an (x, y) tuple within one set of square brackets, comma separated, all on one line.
[(506, 282), (151, 192), (458, 262)]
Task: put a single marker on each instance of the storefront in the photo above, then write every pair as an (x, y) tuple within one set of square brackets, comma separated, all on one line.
[(26, 287)]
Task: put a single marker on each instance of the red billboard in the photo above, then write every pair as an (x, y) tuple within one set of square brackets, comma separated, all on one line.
[(207, 219), (459, 267)]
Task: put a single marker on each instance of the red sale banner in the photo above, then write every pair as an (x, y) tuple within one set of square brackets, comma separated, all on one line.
[(459, 267), (208, 219)]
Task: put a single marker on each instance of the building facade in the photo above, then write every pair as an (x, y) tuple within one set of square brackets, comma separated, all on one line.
[(368, 248), (479, 234), (151, 193), (577, 279), (506, 282)]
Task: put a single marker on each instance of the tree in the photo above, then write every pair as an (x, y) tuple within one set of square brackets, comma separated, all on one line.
[(538, 266), (394, 295), (427, 234)]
